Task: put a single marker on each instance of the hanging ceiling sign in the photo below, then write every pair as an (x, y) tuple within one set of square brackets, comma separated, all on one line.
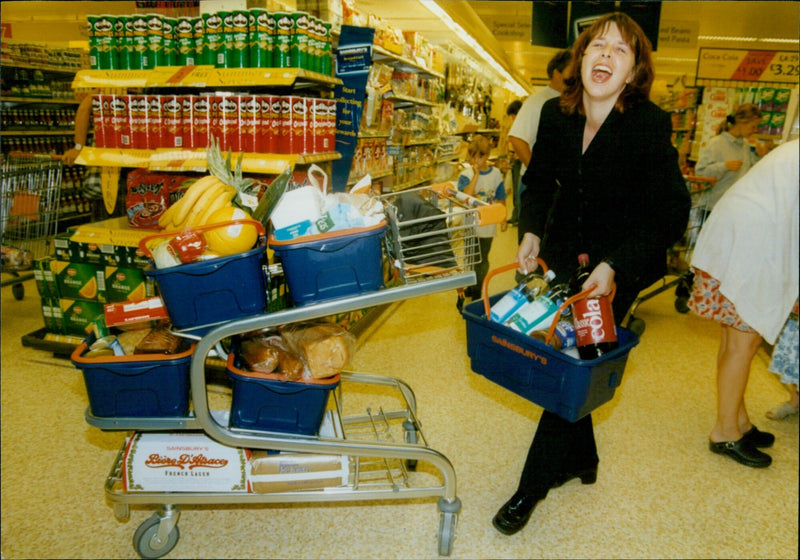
[(509, 27), (748, 65), (678, 34)]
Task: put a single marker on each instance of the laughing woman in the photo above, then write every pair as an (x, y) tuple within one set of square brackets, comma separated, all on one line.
[(604, 180)]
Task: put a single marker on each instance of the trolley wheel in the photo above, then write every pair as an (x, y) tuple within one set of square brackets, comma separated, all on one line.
[(18, 290), (447, 532), (682, 305), (144, 539), (636, 326), (411, 436)]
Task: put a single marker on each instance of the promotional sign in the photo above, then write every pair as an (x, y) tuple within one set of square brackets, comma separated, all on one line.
[(748, 65), (353, 61)]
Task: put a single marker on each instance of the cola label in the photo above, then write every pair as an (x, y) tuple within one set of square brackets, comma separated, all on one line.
[(594, 321)]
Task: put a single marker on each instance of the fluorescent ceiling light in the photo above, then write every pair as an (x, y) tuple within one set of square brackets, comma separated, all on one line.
[(509, 83), (746, 39)]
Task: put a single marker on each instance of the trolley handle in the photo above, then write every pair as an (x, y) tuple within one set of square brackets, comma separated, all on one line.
[(262, 237), (569, 301)]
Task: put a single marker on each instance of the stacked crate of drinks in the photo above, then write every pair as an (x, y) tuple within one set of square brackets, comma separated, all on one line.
[(258, 123), (37, 119), (254, 38), (53, 145)]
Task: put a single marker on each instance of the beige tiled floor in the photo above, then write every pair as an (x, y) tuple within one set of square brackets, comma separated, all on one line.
[(660, 492)]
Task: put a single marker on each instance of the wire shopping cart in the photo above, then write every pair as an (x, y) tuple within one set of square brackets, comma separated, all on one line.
[(680, 255), (29, 204)]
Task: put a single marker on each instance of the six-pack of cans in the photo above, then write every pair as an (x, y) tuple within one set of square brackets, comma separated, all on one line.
[(256, 123), (254, 38)]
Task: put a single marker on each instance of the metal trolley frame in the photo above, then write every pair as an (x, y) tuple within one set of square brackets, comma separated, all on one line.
[(679, 255), (382, 446), (30, 199)]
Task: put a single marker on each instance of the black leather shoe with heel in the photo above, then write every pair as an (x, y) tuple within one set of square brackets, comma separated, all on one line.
[(514, 514), (742, 451)]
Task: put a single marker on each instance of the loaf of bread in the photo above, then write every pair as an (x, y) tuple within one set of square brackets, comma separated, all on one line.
[(324, 348), (259, 355), (158, 341)]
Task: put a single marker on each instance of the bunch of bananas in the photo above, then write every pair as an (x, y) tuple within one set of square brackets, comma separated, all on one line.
[(204, 197), (208, 194)]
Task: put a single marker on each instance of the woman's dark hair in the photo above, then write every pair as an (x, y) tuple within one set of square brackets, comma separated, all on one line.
[(513, 107), (638, 89)]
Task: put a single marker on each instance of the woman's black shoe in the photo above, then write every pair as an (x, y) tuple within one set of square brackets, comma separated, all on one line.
[(757, 438), (587, 476), (514, 514), (743, 452)]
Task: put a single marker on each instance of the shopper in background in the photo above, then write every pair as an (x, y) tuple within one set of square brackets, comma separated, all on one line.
[(728, 156), (746, 278), (507, 149), (603, 179), (786, 363), (522, 135), (484, 182)]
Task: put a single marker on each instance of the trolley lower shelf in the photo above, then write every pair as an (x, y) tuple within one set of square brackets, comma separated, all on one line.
[(383, 443)]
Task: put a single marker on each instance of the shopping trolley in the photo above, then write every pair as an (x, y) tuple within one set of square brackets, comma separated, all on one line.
[(29, 204), (679, 255), (376, 428)]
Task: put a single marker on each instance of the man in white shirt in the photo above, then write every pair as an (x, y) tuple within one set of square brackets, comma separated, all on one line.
[(523, 132)]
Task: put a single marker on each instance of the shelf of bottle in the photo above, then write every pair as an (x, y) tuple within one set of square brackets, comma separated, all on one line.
[(37, 100), (10, 64), (199, 77), (175, 159), (379, 54), (41, 132), (400, 98)]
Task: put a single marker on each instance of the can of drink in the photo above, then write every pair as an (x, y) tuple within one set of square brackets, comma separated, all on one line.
[(228, 122), (172, 121), (298, 46), (238, 48), (184, 42), (155, 122), (170, 50), (250, 121), (121, 41), (137, 109), (260, 43), (315, 32), (120, 121), (98, 121), (198, 25), (213, 120), (284, 24), (265, 143), (109, 137), (137, 59), (326, 56), (103, 45), (213, 44), (299, 123), (319, 126), (155, 41), (187, 121)]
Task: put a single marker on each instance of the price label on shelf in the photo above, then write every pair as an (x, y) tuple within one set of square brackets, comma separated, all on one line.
[(748, 65)]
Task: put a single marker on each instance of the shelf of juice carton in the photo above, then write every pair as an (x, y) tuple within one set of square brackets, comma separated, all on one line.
[(199, 77), (379, 54)]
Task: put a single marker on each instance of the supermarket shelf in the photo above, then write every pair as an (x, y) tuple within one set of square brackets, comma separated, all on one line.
[(37, 100), (199, 77), (166, 159), (35, 132), (367, 134), (379, 54), (43, 68), (377, 175), (413, 183), (398, 98)]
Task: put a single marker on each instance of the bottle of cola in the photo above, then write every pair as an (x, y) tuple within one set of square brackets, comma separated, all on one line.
[(595, 332)]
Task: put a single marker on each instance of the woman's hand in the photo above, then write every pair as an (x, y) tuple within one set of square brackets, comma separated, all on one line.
[(734, 164), (69, 156), (602, 279), (527, 253)]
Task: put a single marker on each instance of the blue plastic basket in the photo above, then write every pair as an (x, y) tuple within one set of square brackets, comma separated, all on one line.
[(332, 265), (141, 385), (563, 385), (267, 401)]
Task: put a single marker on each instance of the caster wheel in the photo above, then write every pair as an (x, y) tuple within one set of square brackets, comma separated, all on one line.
[(447, 532), (682, 305), (144, 539), (636, 326), (18, 290)]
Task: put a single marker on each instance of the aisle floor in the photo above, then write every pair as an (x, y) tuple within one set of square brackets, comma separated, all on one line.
[(660, 493)]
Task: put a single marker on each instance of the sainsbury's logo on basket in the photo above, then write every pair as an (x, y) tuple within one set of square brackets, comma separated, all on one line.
[(184, 461), (519, 349)]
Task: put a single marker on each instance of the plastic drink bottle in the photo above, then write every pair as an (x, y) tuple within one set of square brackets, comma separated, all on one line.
[(527, 290), (595, 331)]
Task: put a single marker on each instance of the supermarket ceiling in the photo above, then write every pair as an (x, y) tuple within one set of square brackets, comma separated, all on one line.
[(503, 28)]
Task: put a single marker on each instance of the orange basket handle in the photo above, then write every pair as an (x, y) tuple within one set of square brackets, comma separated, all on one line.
[(495, 272), (262, 237)]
